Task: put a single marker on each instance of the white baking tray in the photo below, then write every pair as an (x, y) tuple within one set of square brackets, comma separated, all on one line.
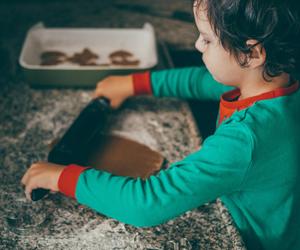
[(103, 41)]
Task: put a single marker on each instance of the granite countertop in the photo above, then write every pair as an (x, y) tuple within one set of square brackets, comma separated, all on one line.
[(30, 119)]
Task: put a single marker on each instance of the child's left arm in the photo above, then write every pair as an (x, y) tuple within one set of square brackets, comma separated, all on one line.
[(217, 169)]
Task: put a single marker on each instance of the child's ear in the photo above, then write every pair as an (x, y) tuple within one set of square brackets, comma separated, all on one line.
[(257, 56)]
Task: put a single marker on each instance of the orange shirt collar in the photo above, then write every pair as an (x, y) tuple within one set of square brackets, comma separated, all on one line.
[(227, 107), (226, 97)]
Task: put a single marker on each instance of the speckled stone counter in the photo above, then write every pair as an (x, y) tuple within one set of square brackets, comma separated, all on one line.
[(30, 119)]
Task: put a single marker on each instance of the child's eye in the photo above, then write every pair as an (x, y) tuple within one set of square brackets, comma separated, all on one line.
[(205, 41)]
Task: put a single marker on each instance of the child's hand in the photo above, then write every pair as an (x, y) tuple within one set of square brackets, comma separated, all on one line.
[(115, 88), (42, 175)]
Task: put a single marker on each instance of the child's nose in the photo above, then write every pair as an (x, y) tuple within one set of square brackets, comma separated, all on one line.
[(198, 46)]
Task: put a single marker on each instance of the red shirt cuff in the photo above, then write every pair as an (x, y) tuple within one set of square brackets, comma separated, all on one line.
[(68, 179), (142, 83)]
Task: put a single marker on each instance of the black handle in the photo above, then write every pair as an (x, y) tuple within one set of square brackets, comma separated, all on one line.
[(38, 194), (84, 126)]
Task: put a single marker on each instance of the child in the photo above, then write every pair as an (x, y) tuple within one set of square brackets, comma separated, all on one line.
[(251, 162)]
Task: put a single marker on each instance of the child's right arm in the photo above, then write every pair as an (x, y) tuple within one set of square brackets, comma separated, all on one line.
[(186, 83), (219, 168)]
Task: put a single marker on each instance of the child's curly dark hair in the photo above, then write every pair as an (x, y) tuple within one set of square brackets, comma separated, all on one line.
[(275, 24)]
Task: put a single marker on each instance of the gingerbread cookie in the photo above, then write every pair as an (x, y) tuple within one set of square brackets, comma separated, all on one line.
[(86, 57), (123, 58), (52, 57)]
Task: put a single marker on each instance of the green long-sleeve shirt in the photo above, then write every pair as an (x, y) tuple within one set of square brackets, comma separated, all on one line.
[(251, 162)]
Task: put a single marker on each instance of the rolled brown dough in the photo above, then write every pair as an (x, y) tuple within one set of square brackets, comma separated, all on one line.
[(122, 156), (126, 157)]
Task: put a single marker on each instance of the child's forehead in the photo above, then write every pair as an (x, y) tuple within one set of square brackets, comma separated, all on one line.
[(202, 21), (200, 11)]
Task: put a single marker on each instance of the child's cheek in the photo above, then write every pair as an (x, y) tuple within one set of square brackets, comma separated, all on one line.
[(211, 65), (207, 61)]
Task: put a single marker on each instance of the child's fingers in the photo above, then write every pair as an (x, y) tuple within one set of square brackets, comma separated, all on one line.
[(28, 196), (93, 94), (28, 189), (24, 178), (115, 104), (96, 94)]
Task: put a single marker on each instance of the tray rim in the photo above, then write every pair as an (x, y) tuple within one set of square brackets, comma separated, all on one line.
[(40, 25)]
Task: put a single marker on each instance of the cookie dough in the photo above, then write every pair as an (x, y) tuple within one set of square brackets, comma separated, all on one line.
[(122, 156)]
